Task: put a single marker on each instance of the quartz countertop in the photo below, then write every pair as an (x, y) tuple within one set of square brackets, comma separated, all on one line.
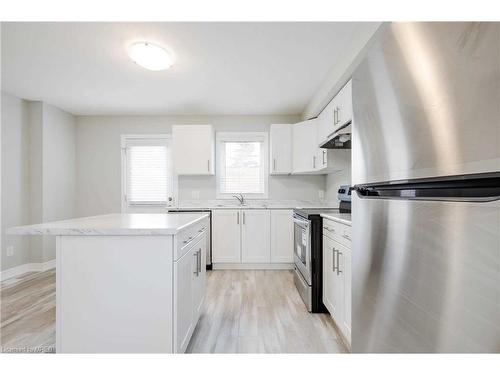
[(341, 218), (251, 204), (114, 225)]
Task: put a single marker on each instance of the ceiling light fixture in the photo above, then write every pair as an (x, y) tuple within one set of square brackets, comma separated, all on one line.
[(150, 56)]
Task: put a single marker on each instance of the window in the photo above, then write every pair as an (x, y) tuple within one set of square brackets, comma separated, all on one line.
[(147, 177), (242, 164)]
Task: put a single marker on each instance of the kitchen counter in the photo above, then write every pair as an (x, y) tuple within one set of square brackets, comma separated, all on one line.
[(125, 282), (114, 224), (262, 204), (341, 218)]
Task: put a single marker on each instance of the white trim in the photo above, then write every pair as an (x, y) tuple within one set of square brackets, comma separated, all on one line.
[(243, 137), (252, 266), (27, 267), (125, 207)]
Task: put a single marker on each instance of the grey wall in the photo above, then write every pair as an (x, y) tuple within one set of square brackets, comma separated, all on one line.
[(99, 162), (15, 178), (38, 175)]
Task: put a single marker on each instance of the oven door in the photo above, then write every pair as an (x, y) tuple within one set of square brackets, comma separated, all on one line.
[(302, 247)]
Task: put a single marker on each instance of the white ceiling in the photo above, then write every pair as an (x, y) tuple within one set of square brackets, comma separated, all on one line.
[(221, 68)]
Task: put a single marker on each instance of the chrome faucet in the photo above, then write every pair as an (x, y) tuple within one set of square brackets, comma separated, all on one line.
[(240, 198)]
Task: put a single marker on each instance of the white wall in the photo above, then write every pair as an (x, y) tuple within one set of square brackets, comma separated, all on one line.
[(59, 170), (99, 162), (38, 175), (15, 178)]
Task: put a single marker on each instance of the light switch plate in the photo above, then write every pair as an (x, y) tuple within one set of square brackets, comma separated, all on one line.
[(10, 251), (321, 194), (195, 194)]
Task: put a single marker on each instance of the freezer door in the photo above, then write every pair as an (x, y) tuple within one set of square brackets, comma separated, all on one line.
[(426, 102), (426, 276)]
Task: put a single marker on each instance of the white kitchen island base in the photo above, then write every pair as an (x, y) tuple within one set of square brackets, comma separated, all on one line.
[(126, 287)]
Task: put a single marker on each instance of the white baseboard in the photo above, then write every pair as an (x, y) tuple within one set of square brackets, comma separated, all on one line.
[(252, 266), (27, 267)]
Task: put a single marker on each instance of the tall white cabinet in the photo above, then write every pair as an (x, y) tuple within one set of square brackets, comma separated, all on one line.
[(193, 149)]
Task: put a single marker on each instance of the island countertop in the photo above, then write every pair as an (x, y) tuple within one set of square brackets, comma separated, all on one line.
[(114, 225)]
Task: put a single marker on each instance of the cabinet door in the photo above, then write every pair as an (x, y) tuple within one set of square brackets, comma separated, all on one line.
[(280, 147), (255, 236), (193, 149), (328, 275), (344, 112), (325, 123), (321, 162), (345, 266), (338, 284), (199, 276), (184, 269), (226, 235), (281, 236), (304, 147)]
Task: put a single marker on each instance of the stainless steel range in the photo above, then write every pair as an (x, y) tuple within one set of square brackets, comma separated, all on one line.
[(308, 245)]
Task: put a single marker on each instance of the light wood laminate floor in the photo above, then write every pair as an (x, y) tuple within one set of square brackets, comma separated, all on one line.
[(244, 312)]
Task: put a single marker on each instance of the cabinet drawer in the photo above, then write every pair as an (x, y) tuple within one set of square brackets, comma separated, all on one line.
[(337, 231), (188, 237)]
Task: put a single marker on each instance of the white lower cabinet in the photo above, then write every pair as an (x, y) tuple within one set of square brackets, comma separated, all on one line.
[(337, 275), (281, 236), (252, 237), (189, 276), (255, 236), (226, 236)]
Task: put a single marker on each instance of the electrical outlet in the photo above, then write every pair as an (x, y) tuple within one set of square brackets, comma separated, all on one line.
[(321, 194), (10, 251)]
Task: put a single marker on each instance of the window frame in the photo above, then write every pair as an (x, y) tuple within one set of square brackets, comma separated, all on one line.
[(262, 137), (127, 207)]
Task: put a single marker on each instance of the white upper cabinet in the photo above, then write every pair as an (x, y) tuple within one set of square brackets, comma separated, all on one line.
[(193, 149), (344, 106), (280, 149), (325, 122), (336, 114), (305, 148)]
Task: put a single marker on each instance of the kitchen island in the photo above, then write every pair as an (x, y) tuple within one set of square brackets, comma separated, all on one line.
[(127, 282)]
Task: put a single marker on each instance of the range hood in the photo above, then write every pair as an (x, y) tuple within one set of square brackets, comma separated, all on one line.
[(340, 138)]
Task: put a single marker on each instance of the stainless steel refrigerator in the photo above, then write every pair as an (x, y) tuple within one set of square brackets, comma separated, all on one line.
[(426, 210)]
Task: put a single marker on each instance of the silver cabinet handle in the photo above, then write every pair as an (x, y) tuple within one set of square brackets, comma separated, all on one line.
[(335, 116), (346, 236), (199, 261), (238, 218), (188, 240), (338, 263), (274, 164), (338, 115), (314, 162), (208, 165), (243, 217), (329, 229), (324, 159), (196, 271), (333, 259)]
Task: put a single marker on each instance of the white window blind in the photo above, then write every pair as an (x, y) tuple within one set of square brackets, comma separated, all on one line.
[(148, 173), (242, 165)]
